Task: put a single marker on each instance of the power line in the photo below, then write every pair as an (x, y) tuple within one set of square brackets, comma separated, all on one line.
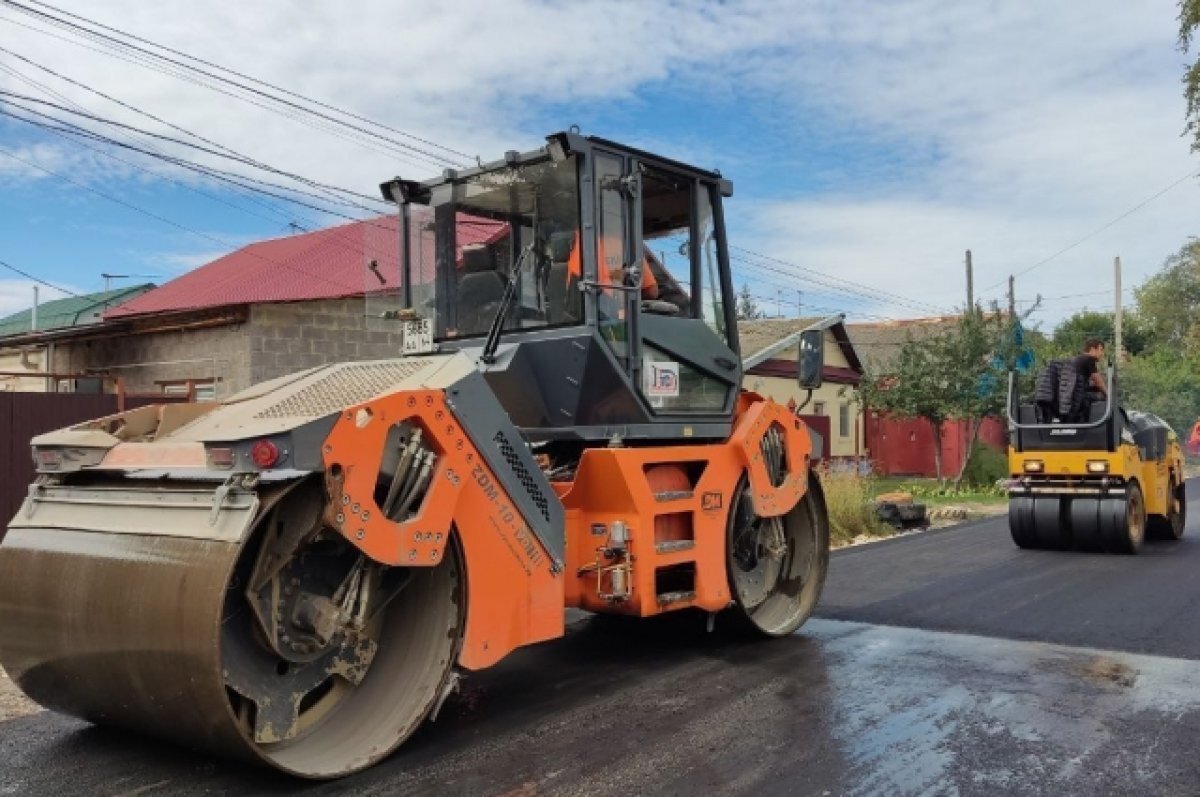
[(830, 287), (112, 41), (175, 224), (859, 287), (247, 194), (38, 280), (217, 174), (63, 133), (1102, 227), (259, 81), (833, 283), (136, 61), (214, 197), (236, 157), (119, 102), (768, 300), (860, 290), (337, 237)]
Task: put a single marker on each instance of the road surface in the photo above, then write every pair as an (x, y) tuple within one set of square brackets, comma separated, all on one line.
[(943, 663)]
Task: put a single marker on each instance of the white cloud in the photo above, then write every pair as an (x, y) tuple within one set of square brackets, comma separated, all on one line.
[(1010, 128), (1040, 123)]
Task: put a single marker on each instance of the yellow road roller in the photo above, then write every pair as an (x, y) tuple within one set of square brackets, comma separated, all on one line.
[(1101, 480)]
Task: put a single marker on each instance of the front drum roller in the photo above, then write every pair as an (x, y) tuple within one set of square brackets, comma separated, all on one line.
[(1051, 523), (1085, 523), (1020, 522), (777, 565), (1123, 521), (299, 654)]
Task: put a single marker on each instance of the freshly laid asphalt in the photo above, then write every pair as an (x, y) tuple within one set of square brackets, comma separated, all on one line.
[(974, 580), (948, 662)]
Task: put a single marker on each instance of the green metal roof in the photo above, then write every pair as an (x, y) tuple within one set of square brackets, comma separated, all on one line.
[(73, 311)]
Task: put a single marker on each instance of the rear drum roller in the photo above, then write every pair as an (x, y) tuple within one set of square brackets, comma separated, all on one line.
[(1123, 521), (330, 661), (1085, 523), (1172, 525), (284, 646), (1020, 522), (777, 565), (1050, 523)]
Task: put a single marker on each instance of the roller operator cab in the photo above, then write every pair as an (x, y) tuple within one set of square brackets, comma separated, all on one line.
[(300, 574), (1092, 477)]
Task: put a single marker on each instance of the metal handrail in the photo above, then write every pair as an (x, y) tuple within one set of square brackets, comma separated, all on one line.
[(1108, 409)]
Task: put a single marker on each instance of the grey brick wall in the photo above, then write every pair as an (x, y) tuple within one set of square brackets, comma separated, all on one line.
[(297, 335), (276, 339), (201, 354)]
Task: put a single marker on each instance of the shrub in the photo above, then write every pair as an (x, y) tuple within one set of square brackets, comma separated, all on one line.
[(851, 509), (985, 466)]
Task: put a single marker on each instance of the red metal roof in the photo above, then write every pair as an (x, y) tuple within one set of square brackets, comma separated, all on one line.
[(325, 264)]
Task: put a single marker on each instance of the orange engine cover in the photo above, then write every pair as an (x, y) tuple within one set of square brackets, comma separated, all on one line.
[(514, 592)]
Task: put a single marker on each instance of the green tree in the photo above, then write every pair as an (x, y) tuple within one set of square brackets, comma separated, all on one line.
[(1070, 335), (747, 307), (953, 376), (1165, 384), (1168, 303), (1189, 23)]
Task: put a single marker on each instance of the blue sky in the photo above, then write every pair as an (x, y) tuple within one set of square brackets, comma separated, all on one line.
[(868, 142)]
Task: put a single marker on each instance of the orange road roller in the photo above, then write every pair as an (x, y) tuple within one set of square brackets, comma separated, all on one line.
[(300, 574)]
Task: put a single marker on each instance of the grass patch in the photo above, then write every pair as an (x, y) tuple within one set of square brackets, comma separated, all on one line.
[(848, 497), (928, 491)]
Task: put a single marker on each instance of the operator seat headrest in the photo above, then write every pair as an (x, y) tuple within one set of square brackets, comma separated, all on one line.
[(561, 244), (477, 258)]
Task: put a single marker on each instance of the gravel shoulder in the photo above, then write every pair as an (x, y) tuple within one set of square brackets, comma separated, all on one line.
[(13, 703)]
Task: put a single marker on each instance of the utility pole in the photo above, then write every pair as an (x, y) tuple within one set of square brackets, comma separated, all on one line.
[(799, 304), (34, 319), (779, 303), (1117, 310), (970, 282), (1012, 296)]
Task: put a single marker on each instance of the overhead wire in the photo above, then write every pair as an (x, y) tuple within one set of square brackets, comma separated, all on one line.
[(74, 136), (76, 132), (816, 278), (740, 264), (173, 223), (850, 285), (127, 47), (324, 128), (261, 82), (236, 157), (38, 280), (856, 291), (152, 144), (1190, 175)]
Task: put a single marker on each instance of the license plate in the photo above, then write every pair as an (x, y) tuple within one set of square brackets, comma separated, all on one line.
[(417, 336)]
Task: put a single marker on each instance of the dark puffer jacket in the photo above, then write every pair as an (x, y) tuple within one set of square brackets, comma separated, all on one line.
[(1059, 393)]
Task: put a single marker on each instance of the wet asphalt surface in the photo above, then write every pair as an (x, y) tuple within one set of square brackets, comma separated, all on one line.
[(943, 663)]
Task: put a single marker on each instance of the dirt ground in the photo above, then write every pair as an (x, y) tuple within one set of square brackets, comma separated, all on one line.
[(964, 512), (12, 702)]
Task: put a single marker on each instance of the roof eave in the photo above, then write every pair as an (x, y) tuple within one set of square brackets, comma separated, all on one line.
[(834, 323)]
